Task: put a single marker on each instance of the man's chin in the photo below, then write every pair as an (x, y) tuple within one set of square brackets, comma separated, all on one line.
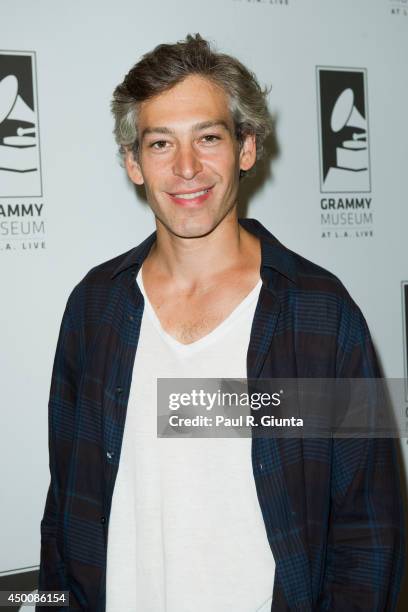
[(190, 228), (197, 231)]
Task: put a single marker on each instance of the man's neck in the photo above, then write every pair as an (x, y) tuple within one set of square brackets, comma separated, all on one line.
[(193, 262)]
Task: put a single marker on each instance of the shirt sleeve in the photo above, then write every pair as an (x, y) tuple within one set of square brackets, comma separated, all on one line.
[(61, 411), (366, 550)]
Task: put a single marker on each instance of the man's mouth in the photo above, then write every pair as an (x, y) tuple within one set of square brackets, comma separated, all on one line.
[(191, 198)]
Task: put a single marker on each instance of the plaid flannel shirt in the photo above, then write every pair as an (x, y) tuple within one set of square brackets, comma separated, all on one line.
[(332, 507)]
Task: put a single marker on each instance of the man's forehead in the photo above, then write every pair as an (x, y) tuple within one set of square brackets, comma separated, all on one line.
[(196, 127), (194, 103)]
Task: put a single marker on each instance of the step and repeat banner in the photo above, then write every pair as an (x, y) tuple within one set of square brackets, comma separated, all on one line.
[(336, 189)]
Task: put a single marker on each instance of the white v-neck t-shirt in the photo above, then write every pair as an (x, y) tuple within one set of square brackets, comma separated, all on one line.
[(186, 533)]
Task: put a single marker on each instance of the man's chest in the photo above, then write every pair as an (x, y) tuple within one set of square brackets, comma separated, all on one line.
[(190, 317), (187, 320)]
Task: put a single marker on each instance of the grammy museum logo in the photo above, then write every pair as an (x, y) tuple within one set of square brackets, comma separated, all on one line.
[(344, 146), (21, 206)]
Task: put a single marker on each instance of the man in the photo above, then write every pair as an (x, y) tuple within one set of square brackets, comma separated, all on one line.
[(137, 523)]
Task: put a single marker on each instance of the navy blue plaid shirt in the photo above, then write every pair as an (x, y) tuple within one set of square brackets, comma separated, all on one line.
[(332, 507)]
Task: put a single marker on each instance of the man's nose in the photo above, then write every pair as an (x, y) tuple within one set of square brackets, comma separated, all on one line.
[(187, 162)]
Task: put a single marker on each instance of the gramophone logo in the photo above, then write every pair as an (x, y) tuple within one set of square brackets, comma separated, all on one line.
[(20, 170), (343, 123)]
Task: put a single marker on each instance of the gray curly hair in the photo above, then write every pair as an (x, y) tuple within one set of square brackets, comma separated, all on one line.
[(167, 65)]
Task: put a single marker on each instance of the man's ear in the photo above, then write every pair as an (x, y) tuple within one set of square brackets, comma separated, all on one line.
[(133, 167), (247, 154)]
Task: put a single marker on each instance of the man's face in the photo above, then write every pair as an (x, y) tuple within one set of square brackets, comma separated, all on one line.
[(189, 159)]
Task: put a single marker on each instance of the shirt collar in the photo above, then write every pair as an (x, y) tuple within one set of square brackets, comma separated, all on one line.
[(273, 253)]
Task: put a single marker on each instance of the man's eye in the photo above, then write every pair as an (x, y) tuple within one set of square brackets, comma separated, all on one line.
[(211, 138), (159, 144)]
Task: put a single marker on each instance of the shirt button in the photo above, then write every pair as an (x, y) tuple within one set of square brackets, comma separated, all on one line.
[(103, 520), (109, 455), (131, 318), (119, 390)]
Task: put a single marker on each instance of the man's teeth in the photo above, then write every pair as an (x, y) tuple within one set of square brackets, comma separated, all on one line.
[(191, 196)]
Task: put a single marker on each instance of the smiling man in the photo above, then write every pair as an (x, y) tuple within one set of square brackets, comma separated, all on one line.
[(134, 522)]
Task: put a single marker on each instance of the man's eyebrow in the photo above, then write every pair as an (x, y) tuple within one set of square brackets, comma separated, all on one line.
[(196, 127), (208, 124), (156, 130)]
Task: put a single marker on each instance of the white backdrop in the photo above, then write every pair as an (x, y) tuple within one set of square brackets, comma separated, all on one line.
[(81, 51)]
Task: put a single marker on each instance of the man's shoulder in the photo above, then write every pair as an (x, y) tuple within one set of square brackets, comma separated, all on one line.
[(107, 270), (301, 274), (98, 284), (316, 298), (104, 271), (320, 299), (314, 277)]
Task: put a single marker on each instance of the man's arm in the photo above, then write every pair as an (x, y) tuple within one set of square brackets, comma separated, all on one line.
[(366, 550), (61, 411)]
